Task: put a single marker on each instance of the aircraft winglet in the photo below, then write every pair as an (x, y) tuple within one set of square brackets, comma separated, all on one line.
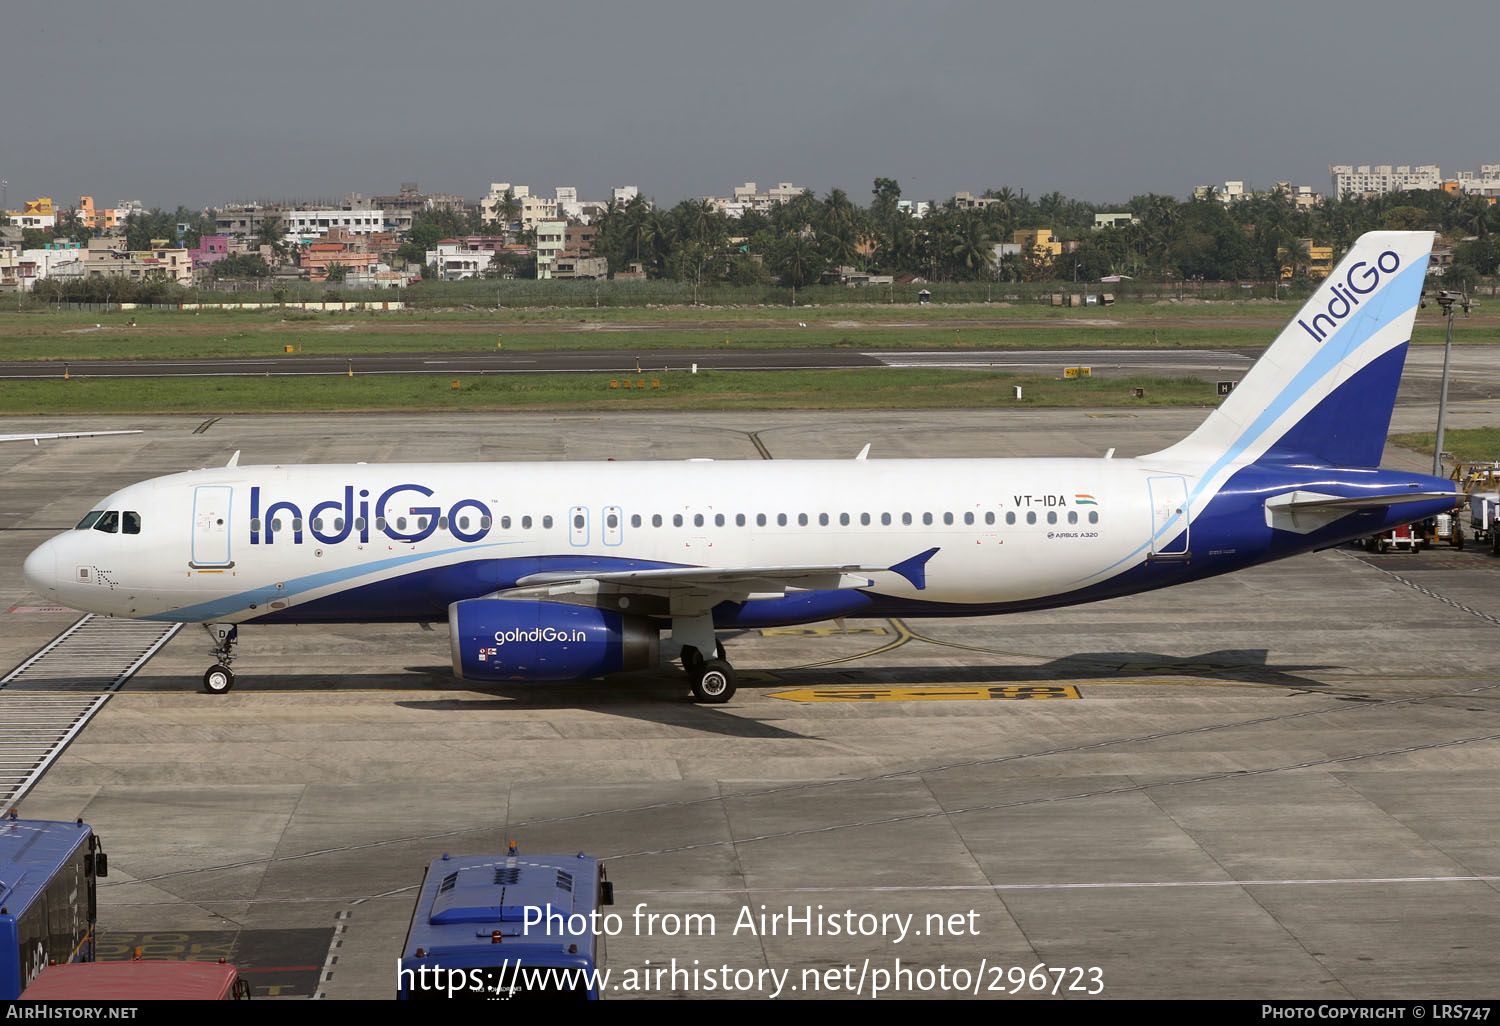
[(915, 568)]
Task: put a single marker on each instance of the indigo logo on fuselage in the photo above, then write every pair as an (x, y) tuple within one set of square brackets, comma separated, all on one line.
[(1346, 293), (350, 517)]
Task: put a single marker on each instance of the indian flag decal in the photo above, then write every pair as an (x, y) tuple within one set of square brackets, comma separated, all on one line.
[(1084, 500)]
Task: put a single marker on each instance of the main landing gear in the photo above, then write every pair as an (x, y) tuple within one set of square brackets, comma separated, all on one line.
[(713, 679), (220, 678)]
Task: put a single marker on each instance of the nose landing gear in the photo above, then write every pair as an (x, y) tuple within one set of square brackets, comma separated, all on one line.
[(220, 678)]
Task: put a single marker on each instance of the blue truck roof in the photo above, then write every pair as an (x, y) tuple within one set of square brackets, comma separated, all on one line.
[(467, 900), (31, 851)]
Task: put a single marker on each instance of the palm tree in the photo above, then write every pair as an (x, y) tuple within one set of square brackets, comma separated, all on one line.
[(973, 248)]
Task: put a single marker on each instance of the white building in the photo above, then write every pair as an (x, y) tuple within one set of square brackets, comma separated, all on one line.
[(456, 261), (551, 236), (299, 224), (1364, 180)]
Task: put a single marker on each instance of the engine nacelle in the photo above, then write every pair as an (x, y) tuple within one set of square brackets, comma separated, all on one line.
[(515, 639)]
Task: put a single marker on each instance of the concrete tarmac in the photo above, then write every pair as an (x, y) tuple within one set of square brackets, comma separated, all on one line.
[(1276, 784)]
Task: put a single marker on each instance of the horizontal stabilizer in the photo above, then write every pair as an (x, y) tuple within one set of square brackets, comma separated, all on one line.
[(1303, 512)]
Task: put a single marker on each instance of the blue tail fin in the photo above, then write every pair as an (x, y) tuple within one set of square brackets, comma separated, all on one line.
[(1324, 391)]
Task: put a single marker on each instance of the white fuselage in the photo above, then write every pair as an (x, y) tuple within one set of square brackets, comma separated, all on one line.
[(236, 543)]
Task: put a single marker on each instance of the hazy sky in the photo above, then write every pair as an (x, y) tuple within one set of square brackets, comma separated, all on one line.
[(202, 103)]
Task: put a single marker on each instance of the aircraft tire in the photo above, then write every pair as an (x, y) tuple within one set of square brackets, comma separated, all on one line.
[(218, 680), (714, 682)]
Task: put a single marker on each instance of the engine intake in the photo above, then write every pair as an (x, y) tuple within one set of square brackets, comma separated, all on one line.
[(515, 639)]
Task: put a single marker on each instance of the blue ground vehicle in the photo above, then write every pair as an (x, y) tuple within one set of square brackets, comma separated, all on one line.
[(507, 927), (48, 897)]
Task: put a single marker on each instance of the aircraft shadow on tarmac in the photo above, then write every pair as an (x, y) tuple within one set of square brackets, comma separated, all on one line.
[(1245, 666)]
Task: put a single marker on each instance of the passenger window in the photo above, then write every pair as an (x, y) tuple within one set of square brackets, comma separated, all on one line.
[(718, 520), (276, 525), (359, 524), (1093, 516), (442, 524), (739, 520), (1072, 516), (989, 518), (948, 518), (822, 519), (526, 523), (463, 523), (255, 524), (379, 524), (317, 524), (656, 520), (968, 518), (338, 523), (927, 519), (697, 519), (505, 523), (676, 519), (296, 523), (484, 523), (400, 523), (578, 521), (801, 519), (88, 520), (1051, 516), (1010, 518), (132, 523), (610, 522), (781, 520), (635, 520), (1031, 518), (906, 519), (760, 520), (885, 520), (547, 523), (843, 520), (864, 520)]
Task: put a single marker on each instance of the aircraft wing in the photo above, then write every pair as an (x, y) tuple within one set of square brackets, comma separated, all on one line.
[(701, 588), (36, 437), (1303, 512)]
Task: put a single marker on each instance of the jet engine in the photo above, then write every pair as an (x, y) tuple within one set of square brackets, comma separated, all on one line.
[(517, 639)]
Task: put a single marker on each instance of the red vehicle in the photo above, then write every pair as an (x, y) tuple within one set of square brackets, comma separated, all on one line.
[(1403, 537), (138, 981)]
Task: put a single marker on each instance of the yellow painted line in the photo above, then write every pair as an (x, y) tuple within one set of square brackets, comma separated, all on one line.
[(818, 631), (921, 693)]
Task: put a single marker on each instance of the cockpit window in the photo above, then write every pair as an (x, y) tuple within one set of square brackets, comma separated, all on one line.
[(88, 520), (109, 522), (131, 523)]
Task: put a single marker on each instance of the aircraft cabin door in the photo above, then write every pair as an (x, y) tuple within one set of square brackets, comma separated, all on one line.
[(210, 546), (1169, 516)]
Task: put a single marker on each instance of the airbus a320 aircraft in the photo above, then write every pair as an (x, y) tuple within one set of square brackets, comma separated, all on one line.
[(560, 571)]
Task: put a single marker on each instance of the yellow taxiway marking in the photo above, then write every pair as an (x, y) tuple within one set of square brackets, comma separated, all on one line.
[(919, 693), (818, 631)]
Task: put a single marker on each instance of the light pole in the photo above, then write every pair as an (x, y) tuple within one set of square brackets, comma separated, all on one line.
[(1447, 300)]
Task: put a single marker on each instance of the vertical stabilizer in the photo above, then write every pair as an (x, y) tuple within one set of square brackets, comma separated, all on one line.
[(1323, 392)]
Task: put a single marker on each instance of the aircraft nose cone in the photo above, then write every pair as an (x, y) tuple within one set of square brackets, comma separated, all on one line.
[(40, 568)]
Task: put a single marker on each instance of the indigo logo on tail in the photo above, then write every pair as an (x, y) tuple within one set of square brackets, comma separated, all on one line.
[(1346, 294)]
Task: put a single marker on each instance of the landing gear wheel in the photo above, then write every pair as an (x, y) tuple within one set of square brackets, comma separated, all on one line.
[(218, 680), (714, 682), (692, 660)]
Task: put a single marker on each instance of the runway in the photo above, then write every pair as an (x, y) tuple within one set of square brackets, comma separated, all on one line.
[(1276, 784), (628, 361)]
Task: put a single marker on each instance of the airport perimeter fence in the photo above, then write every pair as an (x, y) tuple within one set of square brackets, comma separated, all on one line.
[(481, 295)]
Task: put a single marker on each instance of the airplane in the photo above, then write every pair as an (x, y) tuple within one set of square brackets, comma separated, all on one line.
[(563, 571)]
